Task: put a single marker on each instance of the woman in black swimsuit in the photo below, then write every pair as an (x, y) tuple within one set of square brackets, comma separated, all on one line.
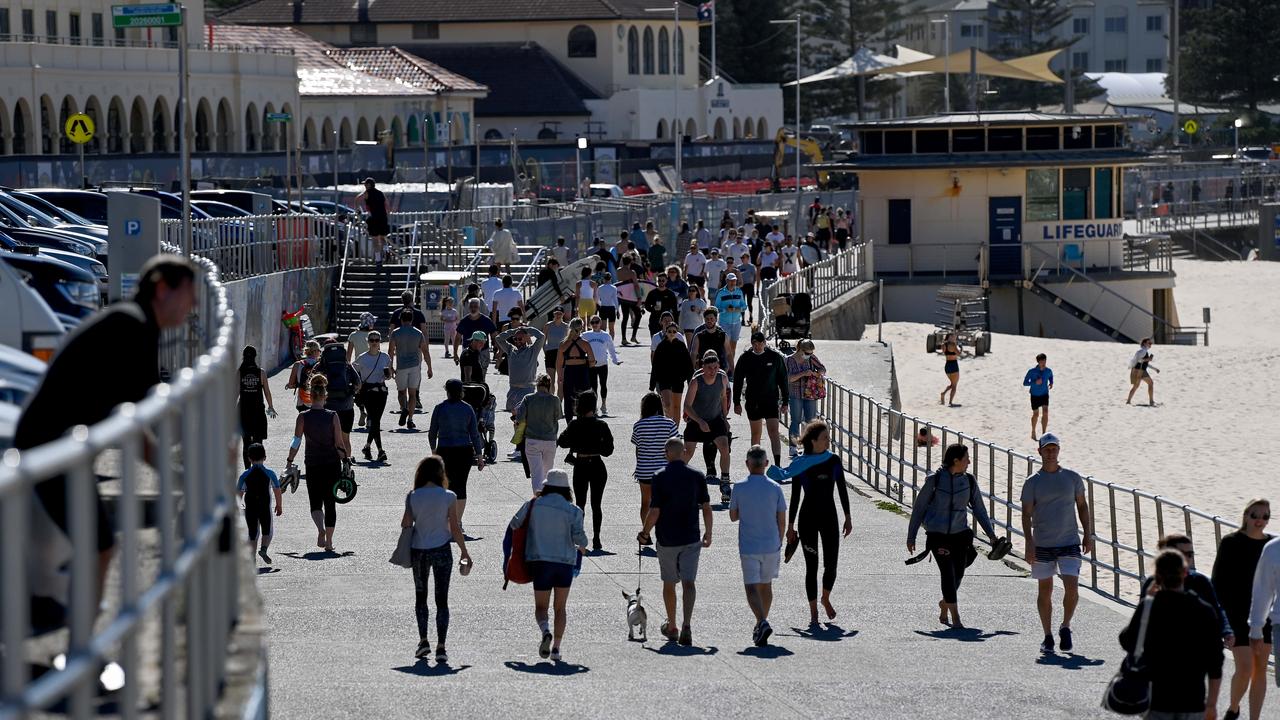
[(573, 367), (813, 504), (950, 350)]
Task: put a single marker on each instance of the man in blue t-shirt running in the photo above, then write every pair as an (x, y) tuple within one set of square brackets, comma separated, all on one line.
[(1040, 380)]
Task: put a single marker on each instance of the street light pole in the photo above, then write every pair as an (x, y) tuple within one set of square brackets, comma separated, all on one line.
[(796, 20), (675, 93), (577, 164), (946, 59), (1173, 62)]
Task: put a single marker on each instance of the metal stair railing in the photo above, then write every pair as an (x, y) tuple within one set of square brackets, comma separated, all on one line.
[(825, 281)]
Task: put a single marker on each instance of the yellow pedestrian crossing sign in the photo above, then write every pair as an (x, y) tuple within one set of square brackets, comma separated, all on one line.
[(1190, 127), (79, 128)]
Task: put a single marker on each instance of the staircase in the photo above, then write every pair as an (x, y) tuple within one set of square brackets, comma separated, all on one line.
[(1077, 312), (1196, 243), (366, 288)]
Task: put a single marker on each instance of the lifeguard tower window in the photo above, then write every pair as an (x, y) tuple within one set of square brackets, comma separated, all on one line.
[(1004, 139), (1043, 138), (899, 222), (1106, 136), (873, 142), (932, 141), (1077, 137), (897, 142), (1042, 195), (1103, 192), (1075, 193), (968, 140)]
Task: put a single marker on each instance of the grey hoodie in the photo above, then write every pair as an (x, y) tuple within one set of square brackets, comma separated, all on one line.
[(943, 503), (522, 363)]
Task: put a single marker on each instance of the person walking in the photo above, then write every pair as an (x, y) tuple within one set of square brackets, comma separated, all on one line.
[(1195, 582), (357, 345), (377, 222), (806, 377), (253, 390), (695, 266), (1234, 571), (748, 276), (586, 295), (943, 506), (760, 509), (659, 300), (762, 370), (343, 386), (541, 414), (411, 348), (473, 362), (449, 321), (732, 304), (679, 495), (474, 321), (523, 347), (374, 369), (707, 407), (630, 293), (504, 300), (691, 310), (556, 330), (951, 366), (650, 435), (431, 510), (1264, 612), (1052, 499), (602, 348), (503, 246), (553, 548), (454, 435), (1040, 380), (607, 309), (816, 477), (711, 337), (300, 375), (1140, 372), (672, 367), (713, 270), (255, 487), (573, 368), (326, 452), (589, 440), (1180, 645)]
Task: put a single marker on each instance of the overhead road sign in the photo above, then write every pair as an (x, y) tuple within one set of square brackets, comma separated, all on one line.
[(79, 128), (143, 16)]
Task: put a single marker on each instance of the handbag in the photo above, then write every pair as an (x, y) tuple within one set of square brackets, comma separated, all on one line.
[(402, 556), (516, 569), (1129, 692)]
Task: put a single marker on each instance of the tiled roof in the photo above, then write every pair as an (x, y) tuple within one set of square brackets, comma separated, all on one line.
[(542, 86), (319, 73), (277, 12), (392, 63)]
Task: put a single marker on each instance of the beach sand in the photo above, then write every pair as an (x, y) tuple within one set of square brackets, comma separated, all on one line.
[(1206, 443)]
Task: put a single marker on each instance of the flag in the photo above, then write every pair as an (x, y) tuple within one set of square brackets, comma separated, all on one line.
[(706, 11)]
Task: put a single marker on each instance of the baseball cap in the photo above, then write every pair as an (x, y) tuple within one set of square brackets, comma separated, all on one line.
[(557, 478), (730, 276), (1049, 439), (757, 336), (375, 336), (480, 335)]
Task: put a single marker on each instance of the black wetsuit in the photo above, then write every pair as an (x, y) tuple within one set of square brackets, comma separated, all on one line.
[(252, 407), (818, 520)]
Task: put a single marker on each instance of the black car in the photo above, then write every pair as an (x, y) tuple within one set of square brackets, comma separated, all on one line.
[(14, 239), (88, 204), (66, 288)]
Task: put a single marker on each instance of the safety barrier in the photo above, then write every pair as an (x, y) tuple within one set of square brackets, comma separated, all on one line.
[(880, 446), (825, 281), (252, 245), (175, 569)]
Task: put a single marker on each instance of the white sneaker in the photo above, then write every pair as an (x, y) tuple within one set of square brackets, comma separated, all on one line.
[(604, 411), (514, 455)]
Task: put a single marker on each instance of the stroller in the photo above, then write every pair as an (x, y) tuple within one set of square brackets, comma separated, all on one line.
[(792, 317), (477, 395)]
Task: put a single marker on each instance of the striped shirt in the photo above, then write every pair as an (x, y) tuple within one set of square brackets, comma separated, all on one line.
[(650, 436)]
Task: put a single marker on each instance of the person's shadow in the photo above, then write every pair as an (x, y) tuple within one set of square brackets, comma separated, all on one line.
[(963, 634), (599, 553), (546, 668), (768, 652), (648, 552), (1069, 661), (268, 570), (423, 669), (825, 632), (319, 555), (675, 649)]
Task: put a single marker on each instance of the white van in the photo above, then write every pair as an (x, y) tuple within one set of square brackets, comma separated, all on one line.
[(29, 325)]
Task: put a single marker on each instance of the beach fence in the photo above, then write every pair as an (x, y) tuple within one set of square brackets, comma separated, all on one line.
[(878, 445)]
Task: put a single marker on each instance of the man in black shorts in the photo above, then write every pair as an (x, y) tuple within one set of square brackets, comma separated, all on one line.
[(763, 370), (1040, 380), (658, 301), (707, 407), (712, 337), (377, 223)]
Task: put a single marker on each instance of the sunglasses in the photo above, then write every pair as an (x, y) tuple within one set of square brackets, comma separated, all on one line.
[(1253, 516)]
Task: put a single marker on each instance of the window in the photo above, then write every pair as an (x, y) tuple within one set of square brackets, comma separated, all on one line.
[(1155, 23), (73, 27), (364, 34), (971, 31), (582, 42), (968, 140), (679, 51), (1004, 139), (1075, 193), (171, 37), (633, 51), (28, 25), (1121, 65), (664, 52), (1080, 60), (1080, 26), (1107, 136), (119, 34), (51, 25), (95, 27), (1044, 138), (1155, 64), (426, 31), (1077, 137), (1102, 179), (1118, 24), (897, 142), (1042, 195), (4, 25), (932, 141), (872, 142), (648, 51), (899, 222)]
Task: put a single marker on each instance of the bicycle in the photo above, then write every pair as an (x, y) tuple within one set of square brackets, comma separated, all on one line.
[(298, 323)]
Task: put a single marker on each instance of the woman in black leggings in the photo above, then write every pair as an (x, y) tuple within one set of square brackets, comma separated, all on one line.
[(812, 500), (374, 368), (942, 507), (574, 366), (590, 440), (326, 449)]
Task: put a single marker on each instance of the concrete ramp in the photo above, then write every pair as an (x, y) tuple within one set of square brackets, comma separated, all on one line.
[(846, 317), (864, 366)]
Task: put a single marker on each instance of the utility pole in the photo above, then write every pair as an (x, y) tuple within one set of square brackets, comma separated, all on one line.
[(1173, 68)]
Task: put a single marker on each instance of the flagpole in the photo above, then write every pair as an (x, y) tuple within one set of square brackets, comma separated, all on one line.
[(713, 40)]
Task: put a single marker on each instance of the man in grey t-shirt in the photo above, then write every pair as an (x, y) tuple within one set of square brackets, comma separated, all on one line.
[(1052, 499), (410, 347)]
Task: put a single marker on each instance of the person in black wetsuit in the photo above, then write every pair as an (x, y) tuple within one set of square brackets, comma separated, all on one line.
[(813, 504), (255, 487), (590, 440), (253, 388)]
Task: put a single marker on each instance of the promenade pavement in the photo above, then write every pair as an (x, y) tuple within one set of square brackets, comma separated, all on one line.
[(341, 630)]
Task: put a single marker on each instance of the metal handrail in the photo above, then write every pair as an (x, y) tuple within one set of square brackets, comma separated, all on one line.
[(346, 254), (242, 247), (410, 279), (825, 281), (194, 500), (529, 278), (878, 443)]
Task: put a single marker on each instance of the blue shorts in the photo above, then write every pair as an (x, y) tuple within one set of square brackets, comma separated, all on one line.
[(733, 330), (548, 575)]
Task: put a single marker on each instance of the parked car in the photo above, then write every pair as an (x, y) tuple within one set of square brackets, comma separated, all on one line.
[(37, 217), (220, 209), (11, 239), (66, 289), (59, 239), (28, 324), (88, 204)]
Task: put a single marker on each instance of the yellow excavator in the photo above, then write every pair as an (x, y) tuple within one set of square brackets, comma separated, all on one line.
[(813, 150)]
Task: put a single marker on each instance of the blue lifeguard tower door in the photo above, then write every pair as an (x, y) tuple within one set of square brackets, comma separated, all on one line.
[(1005, 239)]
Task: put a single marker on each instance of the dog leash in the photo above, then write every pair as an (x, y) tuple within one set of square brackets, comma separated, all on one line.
[(639, 565)]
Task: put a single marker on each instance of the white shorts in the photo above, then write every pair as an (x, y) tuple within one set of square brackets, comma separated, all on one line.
[(409, 378), (1069, 566), (762, 568)]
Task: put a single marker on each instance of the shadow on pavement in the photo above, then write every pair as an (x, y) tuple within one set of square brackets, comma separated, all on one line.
[(829, 632), (423, 669), (268, 570), (599, 553), (547, 668), (677, 650), (768, 652), (319, 555), (1070, 661), (649, 552), (965, 634)]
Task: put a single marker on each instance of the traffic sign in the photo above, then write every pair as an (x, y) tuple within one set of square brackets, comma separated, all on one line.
[(150, 15), (79, 128), (1190, 127), (279, 117)]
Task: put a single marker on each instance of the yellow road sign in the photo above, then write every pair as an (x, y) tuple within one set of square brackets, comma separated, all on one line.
[(1190, 127), (79, 128)]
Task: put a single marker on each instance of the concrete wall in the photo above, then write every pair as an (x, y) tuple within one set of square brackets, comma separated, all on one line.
[(846, 318), (258, 302)]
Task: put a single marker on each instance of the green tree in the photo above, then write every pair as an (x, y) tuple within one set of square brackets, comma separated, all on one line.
[(748, 48), (1027, 27), (1231, 54), (834, 30)]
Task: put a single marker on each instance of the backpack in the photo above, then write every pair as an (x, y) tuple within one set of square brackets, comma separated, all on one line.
[(333, 363)]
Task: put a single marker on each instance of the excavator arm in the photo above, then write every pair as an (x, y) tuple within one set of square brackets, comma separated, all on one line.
[(807, 146)]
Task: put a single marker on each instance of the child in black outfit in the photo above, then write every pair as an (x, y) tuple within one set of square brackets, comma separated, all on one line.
[(254, 486)]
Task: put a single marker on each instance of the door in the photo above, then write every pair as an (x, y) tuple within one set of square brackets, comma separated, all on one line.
[(1005, 236), (899, 222)]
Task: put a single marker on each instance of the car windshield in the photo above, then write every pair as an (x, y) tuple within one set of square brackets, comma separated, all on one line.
[(53, 211), (26, 211), (218, 209)]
